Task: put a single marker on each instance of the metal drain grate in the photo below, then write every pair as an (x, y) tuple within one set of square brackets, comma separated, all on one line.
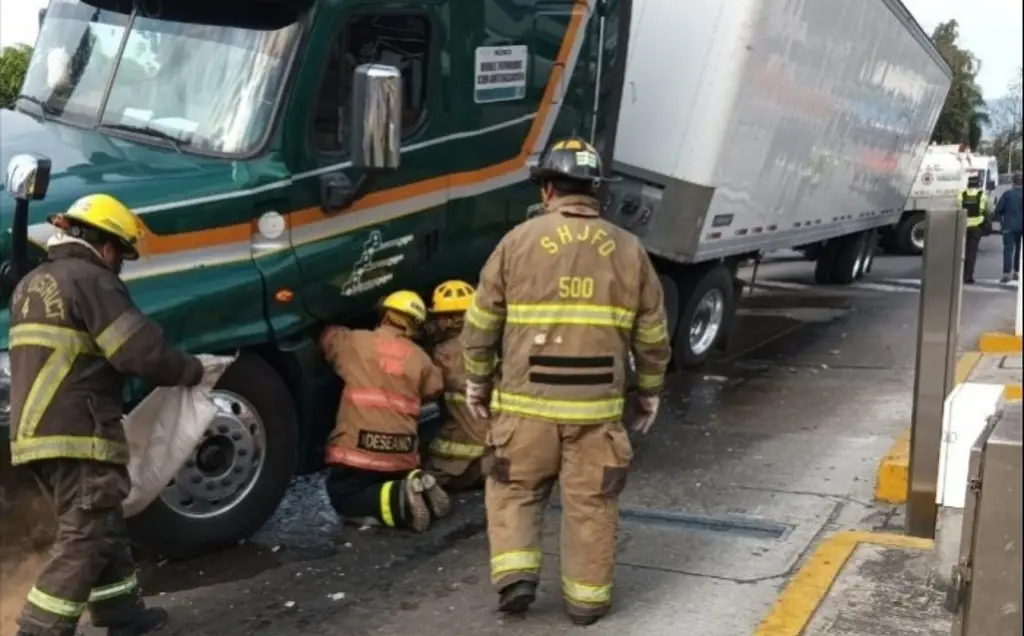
[(736, 526)]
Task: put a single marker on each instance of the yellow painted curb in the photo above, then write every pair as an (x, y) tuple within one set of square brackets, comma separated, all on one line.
[(998, 342), (1012, 392), (893, 475), (795, 608), (965, 365)]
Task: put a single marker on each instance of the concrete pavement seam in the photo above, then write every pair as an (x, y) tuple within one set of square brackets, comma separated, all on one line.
[(892, 477), (795, 608)]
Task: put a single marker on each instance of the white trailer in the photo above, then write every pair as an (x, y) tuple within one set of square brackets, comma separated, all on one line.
[(754, 125)]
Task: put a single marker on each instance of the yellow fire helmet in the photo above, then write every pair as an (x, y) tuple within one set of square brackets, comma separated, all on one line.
[(452, 296), (105, 213), (408, 303)]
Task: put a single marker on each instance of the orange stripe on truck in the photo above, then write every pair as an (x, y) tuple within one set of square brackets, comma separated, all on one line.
[(157, 244)]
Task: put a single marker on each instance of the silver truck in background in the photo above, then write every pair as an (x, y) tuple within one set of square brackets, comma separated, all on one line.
[(749, 126)]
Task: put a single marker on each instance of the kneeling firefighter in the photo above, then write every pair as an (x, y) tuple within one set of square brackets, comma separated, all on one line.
[(373, 452), (566, 296), (455, 454), (74, 334)]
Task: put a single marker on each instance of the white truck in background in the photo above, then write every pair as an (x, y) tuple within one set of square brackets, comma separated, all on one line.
[(749, 126), (942, 176)]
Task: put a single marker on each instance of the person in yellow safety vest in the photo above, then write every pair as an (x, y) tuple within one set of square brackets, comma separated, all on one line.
[(564, 297), (975, 201), (373, 457), (455, 454), (74, 334)]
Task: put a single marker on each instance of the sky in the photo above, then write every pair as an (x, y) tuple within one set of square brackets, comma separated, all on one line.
[(990, 28)]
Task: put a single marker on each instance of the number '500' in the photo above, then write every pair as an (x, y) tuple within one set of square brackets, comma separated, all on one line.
[(575, 287)]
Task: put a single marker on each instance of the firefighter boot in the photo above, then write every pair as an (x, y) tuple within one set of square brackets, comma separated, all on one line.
[(438, 500), (142, 621), (415, 512), (517, 597), (580, 620)]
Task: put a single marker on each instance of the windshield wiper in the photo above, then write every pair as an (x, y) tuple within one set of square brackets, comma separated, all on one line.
[(148, 131), (44, 109)]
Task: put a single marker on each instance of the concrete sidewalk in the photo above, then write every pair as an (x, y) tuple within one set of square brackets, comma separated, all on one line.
[(889, 584), (863, 584)]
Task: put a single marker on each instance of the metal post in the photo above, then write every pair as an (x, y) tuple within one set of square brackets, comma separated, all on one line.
[(938, 324)]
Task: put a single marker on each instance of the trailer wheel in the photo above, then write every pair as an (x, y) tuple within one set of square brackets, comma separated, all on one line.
[(825, 264), (237, 476), (870, 245), (843, 260), (910, 234), (707, 298)]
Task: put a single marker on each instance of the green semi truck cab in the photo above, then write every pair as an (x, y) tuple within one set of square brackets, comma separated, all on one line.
[(292, 162)]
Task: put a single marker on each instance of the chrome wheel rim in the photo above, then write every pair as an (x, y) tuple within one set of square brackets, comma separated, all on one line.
[(225, 466)]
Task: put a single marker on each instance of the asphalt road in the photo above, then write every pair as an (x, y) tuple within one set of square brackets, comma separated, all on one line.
[(755, 456)]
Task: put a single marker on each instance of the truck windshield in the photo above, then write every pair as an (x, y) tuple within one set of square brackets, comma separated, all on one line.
[(208, 88)]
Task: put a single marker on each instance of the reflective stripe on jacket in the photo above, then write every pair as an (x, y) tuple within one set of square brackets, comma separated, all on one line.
[(387, 377), (565, 296), (461, 436), (74, 333)]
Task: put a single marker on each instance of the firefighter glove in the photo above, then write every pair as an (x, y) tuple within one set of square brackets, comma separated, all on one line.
[(478, 400), (647, 410)]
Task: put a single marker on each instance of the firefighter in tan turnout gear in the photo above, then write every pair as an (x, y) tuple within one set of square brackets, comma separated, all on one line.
[(74, 334), (564, 297), (373, 452), (456, 452)]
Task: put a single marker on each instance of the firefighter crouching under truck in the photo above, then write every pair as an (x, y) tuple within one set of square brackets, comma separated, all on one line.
[(74, 333), (456, 453), (374, 474), (564, 297)]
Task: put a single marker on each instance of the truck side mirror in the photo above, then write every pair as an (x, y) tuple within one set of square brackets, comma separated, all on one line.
[(28, 177), (377, 117), (990, 186)]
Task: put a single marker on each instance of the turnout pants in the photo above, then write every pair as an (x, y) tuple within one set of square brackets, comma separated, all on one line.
[(360, 494), (590, 462), (454, 460), (91, 565), (974, 235)]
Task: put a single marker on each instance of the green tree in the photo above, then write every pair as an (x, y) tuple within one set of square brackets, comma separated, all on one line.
[(1008, 125), (963, 117), (13, 66)]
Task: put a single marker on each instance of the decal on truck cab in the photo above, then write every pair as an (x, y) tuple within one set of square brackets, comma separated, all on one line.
[(369, 273)]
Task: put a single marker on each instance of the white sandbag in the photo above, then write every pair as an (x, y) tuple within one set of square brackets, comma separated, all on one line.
[(164, 430)]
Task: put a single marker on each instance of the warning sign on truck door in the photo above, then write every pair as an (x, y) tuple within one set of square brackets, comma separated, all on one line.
[(500, 73)]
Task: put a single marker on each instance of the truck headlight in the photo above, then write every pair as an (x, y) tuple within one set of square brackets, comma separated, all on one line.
[(5, 388)]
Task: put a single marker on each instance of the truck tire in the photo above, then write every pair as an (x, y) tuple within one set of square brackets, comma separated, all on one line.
[(825, 264), (870, 247), (842, 260), (910, 234), (707, 300), (237, 476), (670, 291)]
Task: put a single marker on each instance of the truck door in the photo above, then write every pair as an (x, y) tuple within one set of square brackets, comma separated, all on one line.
[(519, 78), (388, 235)]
